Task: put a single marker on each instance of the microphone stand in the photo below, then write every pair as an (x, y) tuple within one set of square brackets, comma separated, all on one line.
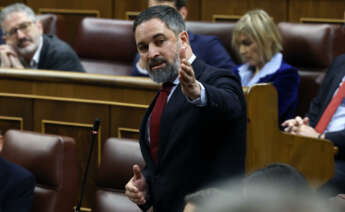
[(94, 134)]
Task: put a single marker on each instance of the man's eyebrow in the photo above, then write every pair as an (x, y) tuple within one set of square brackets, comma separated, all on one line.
[(153, 37), (158, 35)]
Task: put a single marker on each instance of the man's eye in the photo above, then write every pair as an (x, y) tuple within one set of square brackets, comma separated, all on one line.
[(159, 42), (142, 48)]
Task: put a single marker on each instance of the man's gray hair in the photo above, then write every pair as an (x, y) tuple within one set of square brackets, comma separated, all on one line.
[(17, 7)]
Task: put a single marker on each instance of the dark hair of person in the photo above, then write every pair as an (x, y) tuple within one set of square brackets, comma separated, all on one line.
[(166, 14), (278, 173)]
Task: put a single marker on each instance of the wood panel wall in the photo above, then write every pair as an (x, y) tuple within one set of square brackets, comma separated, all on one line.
[(283, 10), (73, 11)]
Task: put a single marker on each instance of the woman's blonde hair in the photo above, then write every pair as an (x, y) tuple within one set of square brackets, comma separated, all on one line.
[(260, 28)]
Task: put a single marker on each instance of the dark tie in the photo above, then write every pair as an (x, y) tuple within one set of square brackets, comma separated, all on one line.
[(155, 119), (330, 110)]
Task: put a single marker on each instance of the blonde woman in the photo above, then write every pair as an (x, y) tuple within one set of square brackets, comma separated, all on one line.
[(258, 42)]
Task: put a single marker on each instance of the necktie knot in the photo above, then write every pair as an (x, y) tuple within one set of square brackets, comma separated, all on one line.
[(166, 87)]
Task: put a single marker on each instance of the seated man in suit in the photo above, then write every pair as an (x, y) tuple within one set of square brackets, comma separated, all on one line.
[(16, 186), (326, 119), (208, 48), (193, 133), (26, 46)]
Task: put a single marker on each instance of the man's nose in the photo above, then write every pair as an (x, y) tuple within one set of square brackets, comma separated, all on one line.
[(20, 34), (153, 51)]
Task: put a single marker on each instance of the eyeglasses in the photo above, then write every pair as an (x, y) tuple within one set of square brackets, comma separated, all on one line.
[(23, 27)]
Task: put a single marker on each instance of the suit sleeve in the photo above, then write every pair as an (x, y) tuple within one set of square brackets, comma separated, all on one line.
[(224, 95), (21, 196)]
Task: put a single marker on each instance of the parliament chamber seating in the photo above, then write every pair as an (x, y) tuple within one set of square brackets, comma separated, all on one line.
[(52, 24), (52, 160), (311, 48), (106, 46), (115, 171)]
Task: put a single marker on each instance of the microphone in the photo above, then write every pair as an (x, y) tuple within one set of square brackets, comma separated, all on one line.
[(94, 133)]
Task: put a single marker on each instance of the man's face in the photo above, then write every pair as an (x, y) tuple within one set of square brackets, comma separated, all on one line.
[(22, 33), (159, 50)]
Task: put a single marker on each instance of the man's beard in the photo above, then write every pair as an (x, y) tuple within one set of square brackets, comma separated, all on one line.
[(167, 74), (29, 49)]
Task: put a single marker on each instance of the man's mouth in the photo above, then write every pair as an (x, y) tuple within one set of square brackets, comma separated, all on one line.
[(157, 63), (23, 43), (157, 66)]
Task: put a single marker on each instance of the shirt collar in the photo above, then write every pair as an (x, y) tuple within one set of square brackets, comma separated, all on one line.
[(35, 59), (270, 67)]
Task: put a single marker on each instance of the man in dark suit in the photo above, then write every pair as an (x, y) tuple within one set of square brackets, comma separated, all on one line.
[(198, 139), (16, 186), (208, 48), (27, 47), (334, 129)]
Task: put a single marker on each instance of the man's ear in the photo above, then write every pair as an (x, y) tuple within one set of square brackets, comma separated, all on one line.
[(184, 12), (40, 26), (184, 37)]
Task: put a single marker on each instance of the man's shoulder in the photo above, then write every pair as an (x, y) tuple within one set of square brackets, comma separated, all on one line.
[(53, 43)]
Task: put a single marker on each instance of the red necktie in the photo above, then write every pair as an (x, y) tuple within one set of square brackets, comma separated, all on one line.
[(155, 119), (330, 110)]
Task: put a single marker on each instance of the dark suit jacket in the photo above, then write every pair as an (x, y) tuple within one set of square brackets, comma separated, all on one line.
[(205, 47), (335, 74), (16, 187), (199, 146), (58, 55)]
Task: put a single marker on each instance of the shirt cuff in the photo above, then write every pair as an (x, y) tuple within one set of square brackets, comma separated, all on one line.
[(202, 100)]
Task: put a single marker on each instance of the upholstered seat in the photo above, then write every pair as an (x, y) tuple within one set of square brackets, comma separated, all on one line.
[(106, 46), (52, 160), (118, 157)]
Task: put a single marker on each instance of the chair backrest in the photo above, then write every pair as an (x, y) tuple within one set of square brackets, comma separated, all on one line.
[(106, 46), (311, 48), (118, 157), (222, 30), (52, 24), (52, 160)]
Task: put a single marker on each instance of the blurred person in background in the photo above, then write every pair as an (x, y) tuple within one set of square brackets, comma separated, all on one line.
[(257, 41)]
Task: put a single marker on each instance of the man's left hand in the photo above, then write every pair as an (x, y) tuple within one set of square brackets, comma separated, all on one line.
[(190, 86)]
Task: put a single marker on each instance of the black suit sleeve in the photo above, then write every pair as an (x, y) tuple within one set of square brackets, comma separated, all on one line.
[(21, 196)]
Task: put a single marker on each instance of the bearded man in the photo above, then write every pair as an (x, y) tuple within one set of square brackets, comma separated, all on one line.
[(26, 46), (193, 134)]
